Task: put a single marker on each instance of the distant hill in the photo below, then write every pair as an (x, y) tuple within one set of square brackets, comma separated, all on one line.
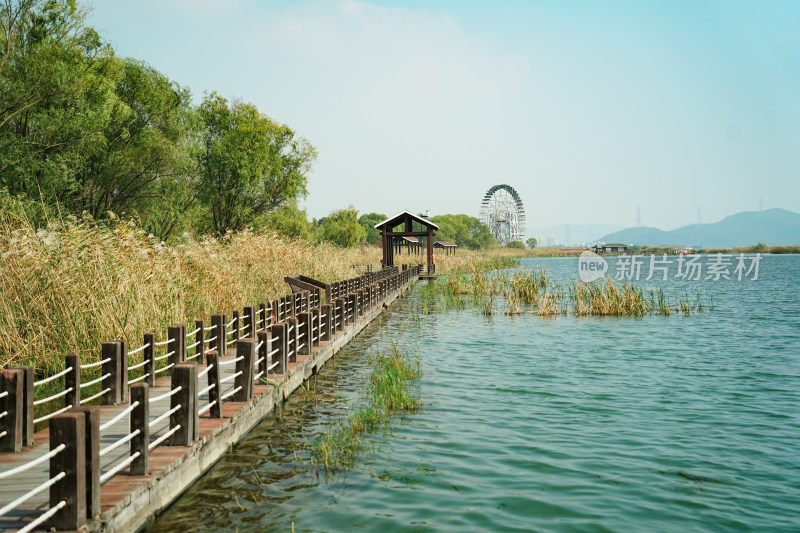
[(573, 233), (772, 227)]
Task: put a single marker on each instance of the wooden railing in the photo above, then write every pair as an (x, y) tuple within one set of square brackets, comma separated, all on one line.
[(235, 354)]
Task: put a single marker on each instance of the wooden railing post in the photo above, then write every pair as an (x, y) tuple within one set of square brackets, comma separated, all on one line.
[(316, 327), (184, 375), (92, 446), (150, 356), (68, 429), (304, 333), (278, 331), (352, 305), (246, 349), (325, 322), (12, 384), (263, 338), (177, 335), (123, 370), (199, 337), (218, 334), (237, 323), (250, 320), (213, 378), (140, 419), (73, 380), (263, 317), (339, 315), (292, 338), (113, 366)]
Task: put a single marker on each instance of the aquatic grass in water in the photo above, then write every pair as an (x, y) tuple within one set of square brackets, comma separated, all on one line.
[(390, 390)]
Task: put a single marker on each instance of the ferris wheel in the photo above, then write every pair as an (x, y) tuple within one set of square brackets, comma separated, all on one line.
[(503, 212)]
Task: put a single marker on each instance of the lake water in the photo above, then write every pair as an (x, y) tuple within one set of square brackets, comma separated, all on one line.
[(547, 424)]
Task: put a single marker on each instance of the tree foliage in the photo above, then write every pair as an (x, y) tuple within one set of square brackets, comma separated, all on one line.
[(342, 228), (86, 131), (465, 231), (515, 244), (368, 221), (531, 242), (248, 164)]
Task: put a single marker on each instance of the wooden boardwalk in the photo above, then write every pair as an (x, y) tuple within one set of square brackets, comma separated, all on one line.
[(128, 502), (121, 484)]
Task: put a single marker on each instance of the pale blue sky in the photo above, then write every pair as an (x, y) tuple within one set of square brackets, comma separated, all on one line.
[(589, 109)]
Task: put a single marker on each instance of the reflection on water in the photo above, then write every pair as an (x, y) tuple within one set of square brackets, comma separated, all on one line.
[(558, 424)]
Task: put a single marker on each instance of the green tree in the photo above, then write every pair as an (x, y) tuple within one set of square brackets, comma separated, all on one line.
[(342, 228), (368, 221), (531, 242), (465, 231), (248, 165), (287, 220), (516, 244)]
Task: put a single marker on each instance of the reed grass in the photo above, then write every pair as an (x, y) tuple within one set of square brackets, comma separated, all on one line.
[(74, 284), (390, 390)]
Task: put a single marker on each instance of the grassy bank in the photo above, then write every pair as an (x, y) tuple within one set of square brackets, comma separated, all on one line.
[(389, 391)]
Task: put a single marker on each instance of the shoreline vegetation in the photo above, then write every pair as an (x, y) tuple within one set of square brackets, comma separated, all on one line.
[(390, 390), (574, 251), (533, 292)]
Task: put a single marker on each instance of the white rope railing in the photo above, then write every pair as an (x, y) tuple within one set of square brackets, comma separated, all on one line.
[(209, 328), (205, 371), (192, 332), (231, 361), (90, 398), (139, 349), (163, 437), (51, 415), (98, 363), (166, 415), (3, 414), (119, 442), (231, 393), (258, 361), (119, 417), (231, 377), (259, 345), (273, 365), (138, 365), (124, 464), (164, 369), (229, 324), (160, 357), (166, 395), (3, 394), (230, 342), (301, 347), (163, 343), (207, 389), (53, 377), (33, 492), (140, 378), (44, 517), (212, 339), (27, 466), (192, 345), (273, 352), (53, 397), (255, 378), (95, 381), (203, 410)]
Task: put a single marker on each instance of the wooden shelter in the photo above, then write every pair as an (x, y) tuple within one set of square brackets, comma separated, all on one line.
[(406, 224), (448, 247)]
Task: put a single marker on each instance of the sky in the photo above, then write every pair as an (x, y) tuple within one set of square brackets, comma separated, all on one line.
[(593, 111)]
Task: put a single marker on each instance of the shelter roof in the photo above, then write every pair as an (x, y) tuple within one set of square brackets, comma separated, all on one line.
[(400, 218), (446, 244)]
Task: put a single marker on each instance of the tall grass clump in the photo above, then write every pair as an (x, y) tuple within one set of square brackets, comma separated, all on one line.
[(609, 299), (68, 284), (390, 390)]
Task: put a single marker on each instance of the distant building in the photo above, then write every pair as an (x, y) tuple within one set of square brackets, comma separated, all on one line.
[(611, 248)]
